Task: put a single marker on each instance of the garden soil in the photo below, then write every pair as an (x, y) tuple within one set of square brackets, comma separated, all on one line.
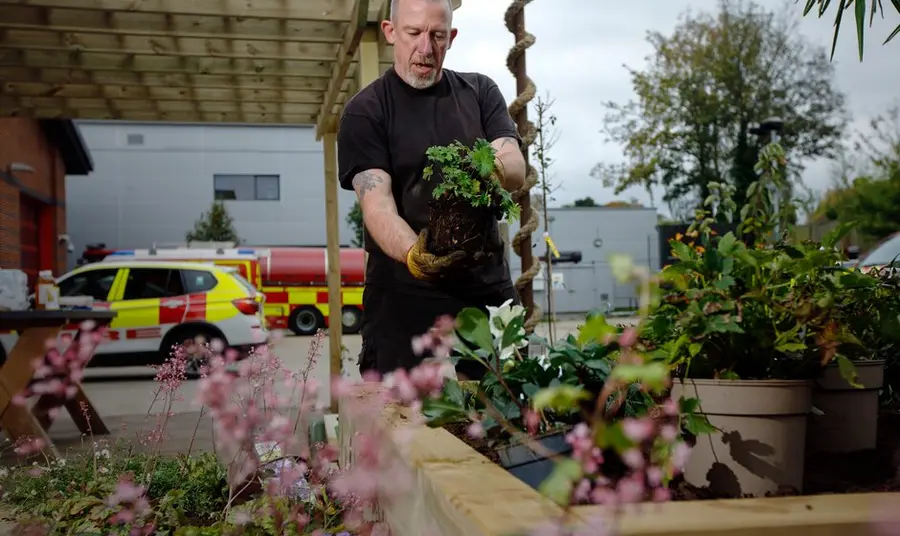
[(455, 225), (825, 473)]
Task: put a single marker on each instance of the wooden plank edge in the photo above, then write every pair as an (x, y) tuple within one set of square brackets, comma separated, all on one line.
[(455, 490)]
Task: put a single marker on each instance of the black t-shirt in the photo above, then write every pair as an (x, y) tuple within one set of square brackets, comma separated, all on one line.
[(389, 125)]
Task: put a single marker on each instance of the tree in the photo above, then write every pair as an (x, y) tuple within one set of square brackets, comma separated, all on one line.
[(355, 221), (860, 13), (872, 199), (215, 225), (584, 202), (547, 136), (704, 87)]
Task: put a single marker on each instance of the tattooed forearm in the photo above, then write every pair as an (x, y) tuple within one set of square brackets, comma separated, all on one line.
[(365, 182), (392, 234)]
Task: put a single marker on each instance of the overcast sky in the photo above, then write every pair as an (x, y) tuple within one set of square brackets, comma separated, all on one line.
[(579, 55)]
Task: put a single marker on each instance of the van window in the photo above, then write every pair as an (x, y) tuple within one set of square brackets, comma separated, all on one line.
[(198, 281), (247, 285), (93, 283), (150, 283)]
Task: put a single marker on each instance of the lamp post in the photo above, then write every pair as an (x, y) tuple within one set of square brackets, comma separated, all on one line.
[(771, 126)]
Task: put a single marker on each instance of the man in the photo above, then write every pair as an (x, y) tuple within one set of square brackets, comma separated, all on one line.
[(384, 133)]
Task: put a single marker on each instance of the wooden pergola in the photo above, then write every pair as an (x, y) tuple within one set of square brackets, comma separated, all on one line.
[(193, 61)]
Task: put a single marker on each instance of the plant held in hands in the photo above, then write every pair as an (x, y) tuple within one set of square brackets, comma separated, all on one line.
[(468, 199)]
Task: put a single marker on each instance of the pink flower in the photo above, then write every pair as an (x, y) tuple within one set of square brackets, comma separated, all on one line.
[(634, 459), (130, 499), (631, 489), (680, 454), (638, 430), (26, 446), (628, 337), (475, 430)]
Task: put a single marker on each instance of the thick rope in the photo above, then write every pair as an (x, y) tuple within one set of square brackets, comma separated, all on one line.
[(522, 239)]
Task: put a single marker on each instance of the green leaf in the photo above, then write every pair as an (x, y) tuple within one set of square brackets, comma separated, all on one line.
[(697, 424), (560, 398), (727, 244), (653, 374), (830, 240), (848, 371), (558, 486), (601, 365), (789, 347), (513, 333), (860, 24), (595, 329), (454, 393), (472, 325), (440, 412), (530, 389)]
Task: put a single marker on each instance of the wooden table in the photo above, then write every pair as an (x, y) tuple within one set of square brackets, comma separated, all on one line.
[(35, 328)]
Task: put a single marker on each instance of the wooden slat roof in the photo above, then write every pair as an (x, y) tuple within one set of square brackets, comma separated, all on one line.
[(236, 61)]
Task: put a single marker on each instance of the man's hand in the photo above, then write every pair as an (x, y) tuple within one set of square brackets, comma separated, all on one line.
[(424, 265)]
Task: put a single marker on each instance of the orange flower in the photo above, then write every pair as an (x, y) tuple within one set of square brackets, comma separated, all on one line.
[(678, 236), (700, 249), (713, 232)]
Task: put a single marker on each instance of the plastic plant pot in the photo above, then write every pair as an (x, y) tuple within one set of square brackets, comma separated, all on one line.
[(529, 466)]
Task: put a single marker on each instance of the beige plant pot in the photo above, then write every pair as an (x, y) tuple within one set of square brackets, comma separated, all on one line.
[(850, 420), (762, 431)]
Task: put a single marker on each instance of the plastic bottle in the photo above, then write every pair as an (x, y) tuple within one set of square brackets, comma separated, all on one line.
[(46, 293)]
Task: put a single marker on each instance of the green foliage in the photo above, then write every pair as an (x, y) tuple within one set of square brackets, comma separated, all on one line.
[(704, 85), (355, 221), (873, 197), (760, 308), (188, 495), (215, 225), (466, 173), (860, 12), (70, 494)]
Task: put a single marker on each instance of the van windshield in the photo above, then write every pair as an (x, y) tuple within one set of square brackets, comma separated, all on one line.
[(884, 254)]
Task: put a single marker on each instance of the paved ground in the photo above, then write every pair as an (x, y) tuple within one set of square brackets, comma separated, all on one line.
[(124, 395)]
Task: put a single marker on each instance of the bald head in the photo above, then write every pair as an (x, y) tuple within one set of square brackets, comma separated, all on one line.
[(396, 3), (421, 32)]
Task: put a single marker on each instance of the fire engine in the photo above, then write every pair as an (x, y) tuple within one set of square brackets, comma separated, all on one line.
[(292, 279)]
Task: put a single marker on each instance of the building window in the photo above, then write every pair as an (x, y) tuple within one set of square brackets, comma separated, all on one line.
[(247, 187)]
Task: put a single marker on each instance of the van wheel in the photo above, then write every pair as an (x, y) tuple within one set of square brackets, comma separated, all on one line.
[(306, 321), (351, 319), (195, 363)]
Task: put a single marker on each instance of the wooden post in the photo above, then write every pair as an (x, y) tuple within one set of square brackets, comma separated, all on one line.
[(335, 326)]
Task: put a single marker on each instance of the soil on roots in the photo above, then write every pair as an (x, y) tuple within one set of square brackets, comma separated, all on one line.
[(455, 225)]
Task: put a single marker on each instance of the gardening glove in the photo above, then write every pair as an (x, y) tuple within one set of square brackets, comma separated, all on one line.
[(424, 265)]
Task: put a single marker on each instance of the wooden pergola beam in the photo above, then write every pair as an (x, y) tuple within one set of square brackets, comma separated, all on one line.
[(347, 51), (307, 10), (78, 32), (61, 78)]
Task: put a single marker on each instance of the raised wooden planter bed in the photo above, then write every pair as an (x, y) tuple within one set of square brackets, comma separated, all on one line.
[(456, 491)]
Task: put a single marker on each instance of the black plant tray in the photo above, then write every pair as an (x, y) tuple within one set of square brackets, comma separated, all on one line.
[(529, 466)]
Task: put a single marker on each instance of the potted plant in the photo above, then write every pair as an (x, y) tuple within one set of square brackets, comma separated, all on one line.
[(468, 200), (847, 401), (745, 327)]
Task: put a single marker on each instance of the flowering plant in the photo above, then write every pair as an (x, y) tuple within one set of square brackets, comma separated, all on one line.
[(757, 308)]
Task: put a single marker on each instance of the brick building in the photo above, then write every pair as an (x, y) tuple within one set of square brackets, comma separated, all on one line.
[(35, 157)]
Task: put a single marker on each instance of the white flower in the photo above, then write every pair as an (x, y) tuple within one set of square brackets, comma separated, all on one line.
[(501, 316), (498, 319)]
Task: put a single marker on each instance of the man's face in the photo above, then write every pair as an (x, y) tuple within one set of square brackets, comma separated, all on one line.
[(421, 34)]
